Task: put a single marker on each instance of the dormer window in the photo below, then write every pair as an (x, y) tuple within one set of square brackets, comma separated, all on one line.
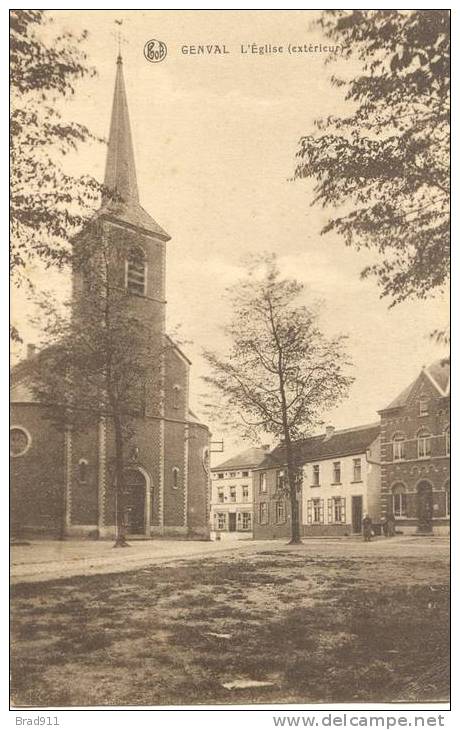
[(423, 406), (136, 272)]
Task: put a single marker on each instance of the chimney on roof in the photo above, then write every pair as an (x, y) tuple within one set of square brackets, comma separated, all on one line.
[(329, 431), (31, 350)]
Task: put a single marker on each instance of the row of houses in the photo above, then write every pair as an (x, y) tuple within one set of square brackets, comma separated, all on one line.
[(399, 465)]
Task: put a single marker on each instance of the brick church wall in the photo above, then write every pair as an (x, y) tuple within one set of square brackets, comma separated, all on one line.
[(198, 479), (37, 477), (84, 493)]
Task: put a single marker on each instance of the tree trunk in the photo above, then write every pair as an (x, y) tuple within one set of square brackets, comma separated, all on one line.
[(120, 485), (292, 479)]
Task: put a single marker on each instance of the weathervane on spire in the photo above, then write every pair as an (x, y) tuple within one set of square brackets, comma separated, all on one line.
[(119, 37)]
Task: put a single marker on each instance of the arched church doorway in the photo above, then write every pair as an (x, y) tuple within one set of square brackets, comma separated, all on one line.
[(136, 498), (424, 507)]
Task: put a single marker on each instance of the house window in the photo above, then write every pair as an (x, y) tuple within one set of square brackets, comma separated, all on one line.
[(245, 493), (336, 472), (244, 473), (220, 496), (315, 511), (232, 494), (357, 475), (262, 482), (136, 272), (232, 474), (399, 500), (263, 513), (176, 396), (279, 480), (19, 441), (398, 446), (423, 406), (175, 473), (423, 444), (315, 481), (280, 512), (246, 522), (220, 476), (82, 471), (337, 509), (447, 440), (221, 520)]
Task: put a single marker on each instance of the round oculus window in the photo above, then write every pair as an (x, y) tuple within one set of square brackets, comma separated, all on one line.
[(19, 441)]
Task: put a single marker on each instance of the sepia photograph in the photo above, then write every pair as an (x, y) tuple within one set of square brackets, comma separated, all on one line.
[(230, 358)]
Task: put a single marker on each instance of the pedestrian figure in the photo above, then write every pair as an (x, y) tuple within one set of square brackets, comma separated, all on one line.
[(384, 526), (391, 525), (367, 528)]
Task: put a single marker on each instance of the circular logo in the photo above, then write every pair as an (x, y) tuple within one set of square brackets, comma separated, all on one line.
[(155, 51)]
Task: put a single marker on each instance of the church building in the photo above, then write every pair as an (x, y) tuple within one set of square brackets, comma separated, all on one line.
[(62, 479)]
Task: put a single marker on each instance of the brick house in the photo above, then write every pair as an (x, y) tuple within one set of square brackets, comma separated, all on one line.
[(340, 483), (415, 453), (232, 494), (62, 482)]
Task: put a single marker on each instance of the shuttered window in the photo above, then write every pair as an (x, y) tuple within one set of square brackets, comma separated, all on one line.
[(315, 511), (336, 510)]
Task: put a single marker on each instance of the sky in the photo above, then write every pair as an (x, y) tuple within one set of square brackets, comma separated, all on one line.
[(215, 140)]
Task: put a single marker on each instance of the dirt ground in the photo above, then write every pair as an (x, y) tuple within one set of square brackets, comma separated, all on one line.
[(321, 622)]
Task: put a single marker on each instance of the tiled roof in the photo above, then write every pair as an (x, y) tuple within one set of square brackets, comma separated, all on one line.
[(246, 459), (315, 448), (438, 371), (134, 215)]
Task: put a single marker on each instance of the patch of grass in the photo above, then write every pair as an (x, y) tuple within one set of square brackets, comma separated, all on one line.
[(324, 629)]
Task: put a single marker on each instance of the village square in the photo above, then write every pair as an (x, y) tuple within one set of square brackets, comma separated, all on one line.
[(241, 548)]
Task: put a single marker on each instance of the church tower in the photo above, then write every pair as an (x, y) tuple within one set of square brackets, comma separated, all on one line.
[(167, 454)]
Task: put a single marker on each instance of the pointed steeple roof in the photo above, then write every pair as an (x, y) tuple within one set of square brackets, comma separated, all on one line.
[(120, 169), (121, 201)]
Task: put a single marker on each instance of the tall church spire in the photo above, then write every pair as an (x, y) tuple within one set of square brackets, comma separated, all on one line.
[(120, 169)]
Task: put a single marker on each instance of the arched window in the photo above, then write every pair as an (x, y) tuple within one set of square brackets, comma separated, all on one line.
[(447, 440), (423, 444), (175, 474), (82, 471), (399, 500), (398, 446), (136, 271)]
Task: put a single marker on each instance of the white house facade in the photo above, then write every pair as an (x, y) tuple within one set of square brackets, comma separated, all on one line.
[(231, 508)]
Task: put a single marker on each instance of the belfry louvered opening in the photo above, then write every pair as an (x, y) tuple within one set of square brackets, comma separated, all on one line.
[(136, 272)]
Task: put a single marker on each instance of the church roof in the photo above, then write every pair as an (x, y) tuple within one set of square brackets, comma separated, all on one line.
[(438, 373), (246, 459), (315, 448), (121, 196)]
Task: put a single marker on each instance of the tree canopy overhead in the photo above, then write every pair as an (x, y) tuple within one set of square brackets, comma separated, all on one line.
[(385, 167), (47, 204)]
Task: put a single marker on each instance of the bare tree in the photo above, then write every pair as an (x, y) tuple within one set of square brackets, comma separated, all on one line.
[(280, 372)]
